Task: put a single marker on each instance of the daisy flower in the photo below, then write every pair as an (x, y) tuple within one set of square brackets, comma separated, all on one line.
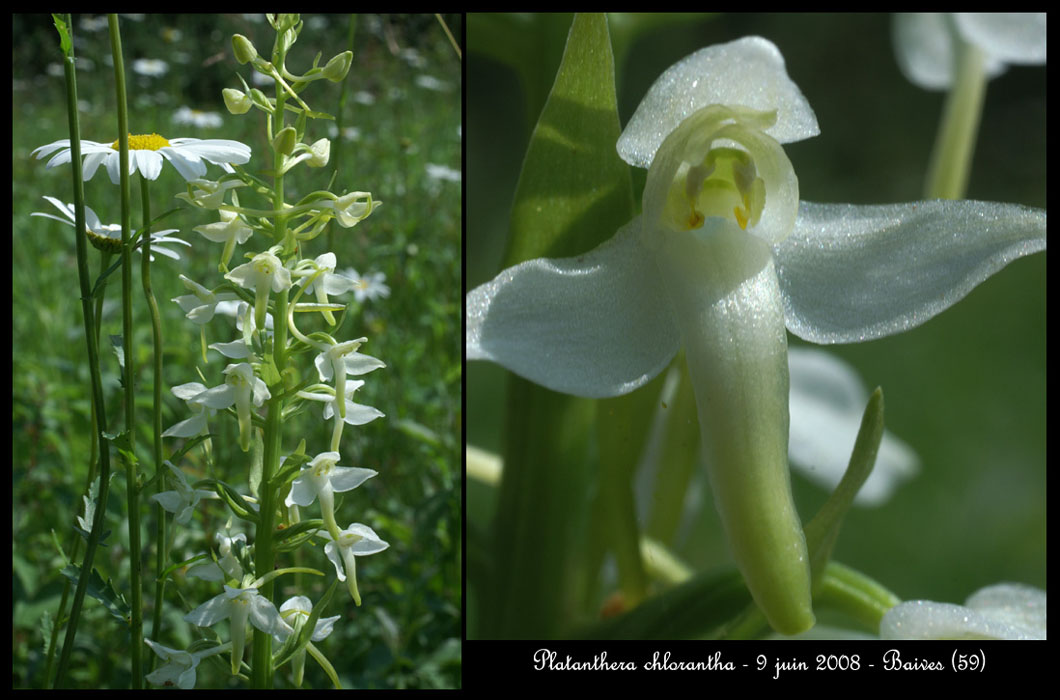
[(369, 286), (107, 237), (151, 67), (146, 152), (194, 117)]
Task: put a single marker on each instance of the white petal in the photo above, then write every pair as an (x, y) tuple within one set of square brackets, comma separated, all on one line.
[(1012, 603), (749, 72), (187, 164), (149, 163), (595, 325), (1006, 611), (924, 49), (221, 396), (211, 612), (827, 402), (349, 478), (853, 273), (1012, 37)]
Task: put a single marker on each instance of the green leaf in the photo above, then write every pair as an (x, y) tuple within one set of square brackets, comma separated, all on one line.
[(297, 642), (573, 194), (822, 531), (64, 35), (102, 591), (574, 191), (691, 610), (292, 537), (229, 495)]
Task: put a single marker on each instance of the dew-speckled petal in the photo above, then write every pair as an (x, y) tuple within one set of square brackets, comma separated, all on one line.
[(749, 72), (853, 273)]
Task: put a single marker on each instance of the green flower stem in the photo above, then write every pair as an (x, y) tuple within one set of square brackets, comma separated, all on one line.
[(841, 588), (678, 459), (92, 347), (340, 116), (951, 158), (129, 452), (265, 554), (161, 555), (855, 594)]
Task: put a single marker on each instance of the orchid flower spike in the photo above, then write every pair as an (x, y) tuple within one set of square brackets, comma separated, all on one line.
[(1002, 611), (724, 260)]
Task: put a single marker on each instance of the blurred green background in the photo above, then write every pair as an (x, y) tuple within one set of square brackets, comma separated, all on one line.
[(966, 390), (400, 139)]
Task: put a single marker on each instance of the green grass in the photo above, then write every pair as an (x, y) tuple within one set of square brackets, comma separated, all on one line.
[(396, 122)]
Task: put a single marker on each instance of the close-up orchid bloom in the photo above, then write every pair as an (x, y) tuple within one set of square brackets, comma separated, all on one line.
[(723, 260)]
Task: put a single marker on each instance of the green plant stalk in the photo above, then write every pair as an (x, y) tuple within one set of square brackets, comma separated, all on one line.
[(136, 623), (92, 347), (340, 117), (264, 553), (951, 157), (161, 555)]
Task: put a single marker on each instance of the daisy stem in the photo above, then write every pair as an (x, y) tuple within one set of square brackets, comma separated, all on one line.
[(88, 316), (156, 428), (129, 452)]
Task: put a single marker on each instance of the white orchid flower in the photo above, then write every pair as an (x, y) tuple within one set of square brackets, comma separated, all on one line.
[(960, 52), (295, 612), (342, 359), (355, 541), (183, 499), (197, 424), (724, 259), (319, 278), (179, 667), (322, 479), (200, 306), (242, 389), (264, 273), (926, 43), (226, 566), (230, 230), (239, 606), (1002, 611)]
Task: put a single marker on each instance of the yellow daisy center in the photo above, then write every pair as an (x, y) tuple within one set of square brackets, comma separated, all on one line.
[(144, 142)]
